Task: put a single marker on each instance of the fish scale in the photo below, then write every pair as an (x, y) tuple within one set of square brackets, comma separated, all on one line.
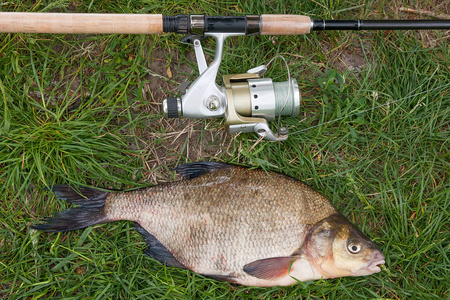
[(231, 223), (189, 214)]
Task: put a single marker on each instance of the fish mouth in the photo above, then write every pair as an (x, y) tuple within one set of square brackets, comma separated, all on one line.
[(374, 266), (377, 261)]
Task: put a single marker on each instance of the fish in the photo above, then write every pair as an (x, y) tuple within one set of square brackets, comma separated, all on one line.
[(231, 223)]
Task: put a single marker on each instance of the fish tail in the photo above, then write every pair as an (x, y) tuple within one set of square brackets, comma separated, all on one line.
[(90, 210)]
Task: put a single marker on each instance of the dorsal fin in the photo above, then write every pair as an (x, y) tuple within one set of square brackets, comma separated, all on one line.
[(193, 170)]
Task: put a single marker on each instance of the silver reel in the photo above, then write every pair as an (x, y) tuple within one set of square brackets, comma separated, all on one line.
[(246, 101)]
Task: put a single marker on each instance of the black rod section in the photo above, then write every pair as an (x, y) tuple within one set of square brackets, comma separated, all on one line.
[(199, 24), (319, 25), (178, 24), (225, 24)]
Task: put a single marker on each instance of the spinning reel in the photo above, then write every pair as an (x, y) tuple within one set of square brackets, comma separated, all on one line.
[(246, 101)]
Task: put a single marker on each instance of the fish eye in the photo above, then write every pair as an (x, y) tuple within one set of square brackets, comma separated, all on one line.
[(353, 247)]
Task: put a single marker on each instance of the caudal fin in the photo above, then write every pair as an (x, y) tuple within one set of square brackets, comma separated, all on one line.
[(90, 210)]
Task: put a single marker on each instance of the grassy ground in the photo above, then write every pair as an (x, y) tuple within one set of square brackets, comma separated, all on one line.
[(86, 110)]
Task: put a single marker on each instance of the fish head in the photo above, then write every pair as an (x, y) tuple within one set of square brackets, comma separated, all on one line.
[(336, 248)]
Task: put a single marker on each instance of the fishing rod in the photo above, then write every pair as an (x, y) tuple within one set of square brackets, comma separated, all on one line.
[(247, 101)]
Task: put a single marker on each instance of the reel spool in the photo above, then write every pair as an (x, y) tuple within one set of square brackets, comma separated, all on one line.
[(246, 101), (252, 101)]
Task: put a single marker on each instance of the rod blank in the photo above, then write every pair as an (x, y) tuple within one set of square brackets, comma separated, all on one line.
[(319, 25)]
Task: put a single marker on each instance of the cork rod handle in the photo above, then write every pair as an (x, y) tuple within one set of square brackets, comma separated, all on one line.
[(81, 23), (285, 24)]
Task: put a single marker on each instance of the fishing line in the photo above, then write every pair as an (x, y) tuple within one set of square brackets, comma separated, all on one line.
[(289, 85), (373, 108)]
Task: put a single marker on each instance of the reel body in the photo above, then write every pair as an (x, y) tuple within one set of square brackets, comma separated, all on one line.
[(246, 101)]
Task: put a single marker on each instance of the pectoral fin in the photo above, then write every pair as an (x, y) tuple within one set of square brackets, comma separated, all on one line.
[(270, 268)]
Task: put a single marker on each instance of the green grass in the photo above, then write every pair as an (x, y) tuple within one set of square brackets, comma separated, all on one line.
[(85, 110)]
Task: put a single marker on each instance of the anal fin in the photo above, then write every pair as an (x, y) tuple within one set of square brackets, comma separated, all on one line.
[(157, 250)]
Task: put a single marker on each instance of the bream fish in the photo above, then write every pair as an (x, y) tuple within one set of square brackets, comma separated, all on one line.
[(231, 223)]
